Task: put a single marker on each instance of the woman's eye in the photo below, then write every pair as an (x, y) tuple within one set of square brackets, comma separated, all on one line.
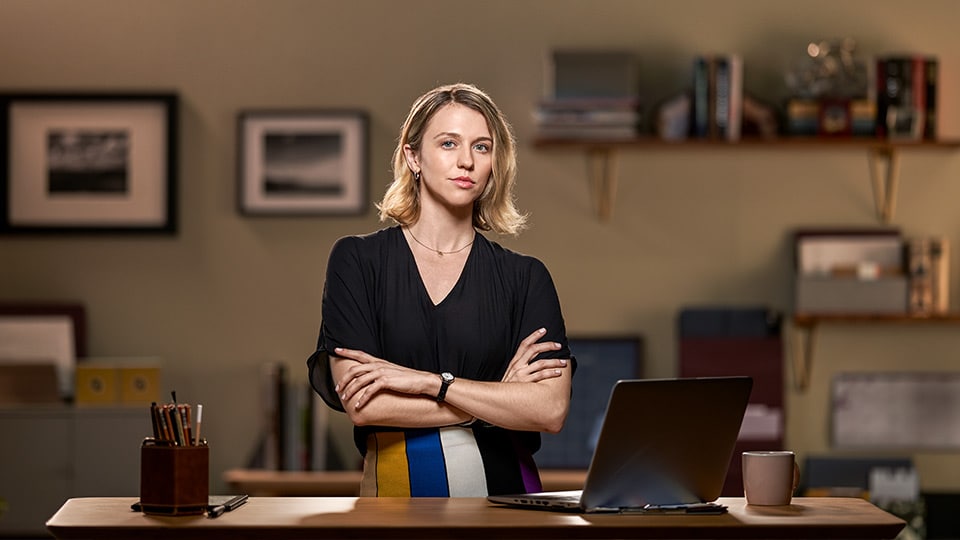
[(447, 144), (482, 147)]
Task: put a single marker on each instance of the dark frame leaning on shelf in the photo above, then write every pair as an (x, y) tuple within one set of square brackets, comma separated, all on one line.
[(88, 163), (302, 162), (601, 362)]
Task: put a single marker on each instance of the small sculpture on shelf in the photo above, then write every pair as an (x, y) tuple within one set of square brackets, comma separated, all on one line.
[(829, 69), (829, 92)]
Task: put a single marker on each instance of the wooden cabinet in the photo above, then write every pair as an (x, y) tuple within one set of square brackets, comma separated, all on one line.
[(50, 454)]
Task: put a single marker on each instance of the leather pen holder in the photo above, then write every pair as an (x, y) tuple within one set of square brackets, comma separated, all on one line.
[(174, 480)]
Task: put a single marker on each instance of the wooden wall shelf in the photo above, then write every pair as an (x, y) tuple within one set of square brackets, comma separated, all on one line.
[(809, 320), (806, 324), (883, 156)]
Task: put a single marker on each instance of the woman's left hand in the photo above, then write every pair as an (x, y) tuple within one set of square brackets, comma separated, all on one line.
[(371, 375), (523, 367)]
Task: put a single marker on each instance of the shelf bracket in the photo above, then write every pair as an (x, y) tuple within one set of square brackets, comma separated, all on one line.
[(884, 177), (602, 165)]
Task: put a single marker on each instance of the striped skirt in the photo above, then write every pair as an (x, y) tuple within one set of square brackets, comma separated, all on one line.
[(446, 462)]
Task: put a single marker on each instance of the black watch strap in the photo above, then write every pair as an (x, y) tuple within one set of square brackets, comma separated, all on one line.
[(446, 379)]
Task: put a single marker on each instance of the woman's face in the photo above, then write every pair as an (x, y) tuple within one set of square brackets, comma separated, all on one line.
[(455, 158)]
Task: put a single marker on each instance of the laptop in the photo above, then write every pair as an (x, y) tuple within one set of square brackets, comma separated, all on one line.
[(664, 446)]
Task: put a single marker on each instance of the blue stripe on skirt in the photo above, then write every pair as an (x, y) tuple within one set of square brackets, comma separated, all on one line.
[(428, 475)]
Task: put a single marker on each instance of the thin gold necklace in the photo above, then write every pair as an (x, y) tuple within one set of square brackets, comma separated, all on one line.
[(442, 253)]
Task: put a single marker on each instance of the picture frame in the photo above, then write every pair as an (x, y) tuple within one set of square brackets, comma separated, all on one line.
[(602, 360), (35, 333), (302, 162), (88, 163)]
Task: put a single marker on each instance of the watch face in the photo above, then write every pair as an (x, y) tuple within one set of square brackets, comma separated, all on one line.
[(447, 377)]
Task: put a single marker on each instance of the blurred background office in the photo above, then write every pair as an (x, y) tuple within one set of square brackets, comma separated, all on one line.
[(689, 225)]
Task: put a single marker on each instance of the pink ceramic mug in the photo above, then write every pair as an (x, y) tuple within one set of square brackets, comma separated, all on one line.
[(769, 477)]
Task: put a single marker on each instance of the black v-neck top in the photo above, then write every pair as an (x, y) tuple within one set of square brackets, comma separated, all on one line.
[(374, 300)]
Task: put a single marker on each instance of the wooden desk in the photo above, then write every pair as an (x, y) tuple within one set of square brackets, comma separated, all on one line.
[(267, 483), (284, 518)]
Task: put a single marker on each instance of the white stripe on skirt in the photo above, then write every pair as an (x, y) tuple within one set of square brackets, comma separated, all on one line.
[(465, 473)]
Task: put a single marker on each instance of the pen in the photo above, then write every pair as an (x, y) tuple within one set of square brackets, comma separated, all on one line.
[(155, 420), (219, 509), (199, 419), (188, 422)]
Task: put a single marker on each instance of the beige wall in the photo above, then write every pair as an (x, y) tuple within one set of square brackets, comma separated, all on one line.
[(690, 226)]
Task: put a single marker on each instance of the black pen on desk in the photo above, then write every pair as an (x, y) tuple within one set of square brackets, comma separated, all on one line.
[(233, 503)]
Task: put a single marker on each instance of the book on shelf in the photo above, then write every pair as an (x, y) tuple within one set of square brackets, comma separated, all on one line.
[(270, 450), (906, 96), (931, 80), (294, 424), (928, 262), (717, 97), (702, 104)]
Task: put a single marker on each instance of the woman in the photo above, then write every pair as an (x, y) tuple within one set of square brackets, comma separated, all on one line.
[(447, 351)]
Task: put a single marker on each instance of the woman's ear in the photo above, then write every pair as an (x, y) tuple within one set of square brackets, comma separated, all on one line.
[(413, 160)]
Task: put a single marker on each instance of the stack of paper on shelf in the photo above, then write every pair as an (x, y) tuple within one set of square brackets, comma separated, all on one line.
[(592, 95)]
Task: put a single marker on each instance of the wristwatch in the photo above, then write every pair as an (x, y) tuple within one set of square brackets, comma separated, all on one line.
[(446, 379)]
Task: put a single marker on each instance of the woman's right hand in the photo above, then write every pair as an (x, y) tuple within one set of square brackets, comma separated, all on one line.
[(522, 370)]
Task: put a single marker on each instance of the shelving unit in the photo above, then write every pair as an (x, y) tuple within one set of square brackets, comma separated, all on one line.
[(51, 453), (883, 156), (806, 324)]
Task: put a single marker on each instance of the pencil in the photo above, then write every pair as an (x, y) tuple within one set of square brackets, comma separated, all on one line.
[(199, 420)]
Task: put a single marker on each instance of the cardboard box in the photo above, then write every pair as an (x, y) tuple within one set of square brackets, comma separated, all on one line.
[(139, 385), (118, 382), (96, 385)]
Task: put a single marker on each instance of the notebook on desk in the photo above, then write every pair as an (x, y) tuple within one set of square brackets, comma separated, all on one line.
[(664, 446)]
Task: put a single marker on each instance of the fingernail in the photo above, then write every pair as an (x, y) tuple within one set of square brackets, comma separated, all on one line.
[(542, 330), (337, 388), (563, 362), (556, 372), (337, 349)]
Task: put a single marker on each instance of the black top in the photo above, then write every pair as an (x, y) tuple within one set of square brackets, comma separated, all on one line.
[(374, 300)]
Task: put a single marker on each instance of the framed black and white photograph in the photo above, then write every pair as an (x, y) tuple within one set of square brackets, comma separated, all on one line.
[(84, 163), (302, 162)]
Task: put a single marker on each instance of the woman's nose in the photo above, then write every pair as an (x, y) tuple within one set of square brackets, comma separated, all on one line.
[(465, 159)]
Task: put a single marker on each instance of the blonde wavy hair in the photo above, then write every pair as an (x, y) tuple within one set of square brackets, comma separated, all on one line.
[(495, 210)]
